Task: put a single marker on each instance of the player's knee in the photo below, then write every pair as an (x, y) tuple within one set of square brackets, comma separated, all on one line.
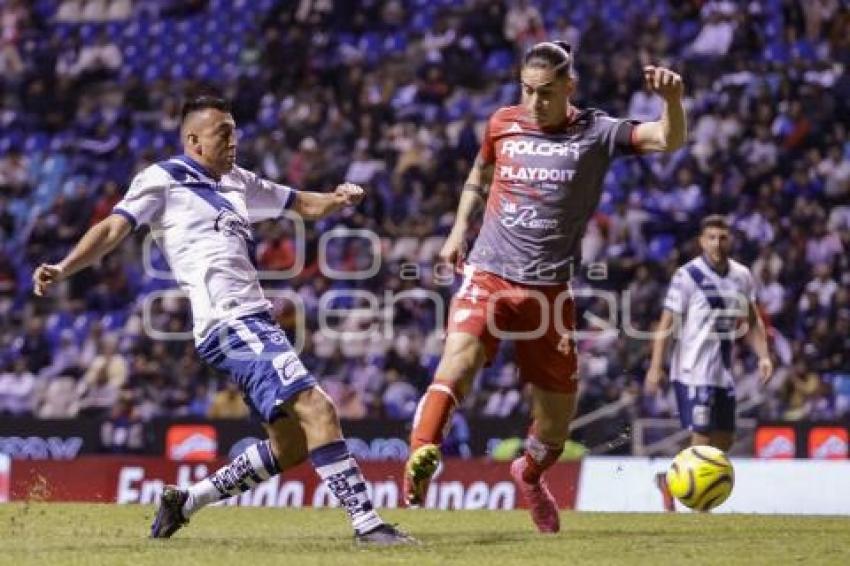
[(461, 361), (288, 443), (316, 410)]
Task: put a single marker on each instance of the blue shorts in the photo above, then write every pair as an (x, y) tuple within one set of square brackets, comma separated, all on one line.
[(705, 408), (256, 354)]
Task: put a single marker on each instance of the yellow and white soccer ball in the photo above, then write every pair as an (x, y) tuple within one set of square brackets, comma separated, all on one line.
[(701, 477)]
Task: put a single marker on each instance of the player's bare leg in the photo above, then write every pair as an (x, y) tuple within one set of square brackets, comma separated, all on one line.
[(463, 356), (285, 449), (552, 413), (331, 459)]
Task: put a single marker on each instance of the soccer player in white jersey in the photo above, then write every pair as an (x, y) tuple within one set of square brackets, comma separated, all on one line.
[(199, 207), (709, 298)]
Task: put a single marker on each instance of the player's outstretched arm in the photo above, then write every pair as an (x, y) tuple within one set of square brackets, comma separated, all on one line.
[(99, 240), (757, 338), (661, 337), (471, 200), (313, 206), (670, 132)]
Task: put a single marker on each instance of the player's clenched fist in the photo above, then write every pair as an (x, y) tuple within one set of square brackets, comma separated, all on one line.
[(665, 82), (350, 193), (452, 249), (45, 276)]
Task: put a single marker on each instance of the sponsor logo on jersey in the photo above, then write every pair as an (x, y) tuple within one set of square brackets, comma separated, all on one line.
[(231, 224), (289, 367), (532, 174), (524, 216), (512, 148), (514, 129)]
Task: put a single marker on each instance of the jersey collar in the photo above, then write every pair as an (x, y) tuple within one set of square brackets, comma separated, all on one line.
[(710, 266), (196, 166), (572, 116)]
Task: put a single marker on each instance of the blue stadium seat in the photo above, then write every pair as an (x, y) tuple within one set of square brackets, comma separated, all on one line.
[(499, 61), (660, 247), (115, 319), (395, 43), (371, 44), (87, 33), (140, 139), (37, 142), (81, 324), (422, 21)]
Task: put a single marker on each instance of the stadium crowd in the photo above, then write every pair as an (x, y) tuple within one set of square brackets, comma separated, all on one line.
[(394, 95)]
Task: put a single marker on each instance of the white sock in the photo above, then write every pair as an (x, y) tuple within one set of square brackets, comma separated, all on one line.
[(342, 475), (250, 468)]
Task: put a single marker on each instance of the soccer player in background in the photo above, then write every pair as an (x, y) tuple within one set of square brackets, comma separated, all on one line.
[(544, 161), (199, 207), (707, 299)]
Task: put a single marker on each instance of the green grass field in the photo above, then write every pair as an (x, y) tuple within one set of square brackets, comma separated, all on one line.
[(48, 534)]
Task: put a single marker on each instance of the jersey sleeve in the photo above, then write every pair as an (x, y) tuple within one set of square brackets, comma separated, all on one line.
[(145, 199), (616, 135), (488, 148), (678, 293), (266, 199)]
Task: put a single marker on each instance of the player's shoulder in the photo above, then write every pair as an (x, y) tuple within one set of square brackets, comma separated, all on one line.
[(504, 118), (152, 175), (597, 119), (240, 175), (740, 272), (686, 273), (690, 265)]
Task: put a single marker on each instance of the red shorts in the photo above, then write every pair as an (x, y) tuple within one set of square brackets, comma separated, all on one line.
[(538, 318)]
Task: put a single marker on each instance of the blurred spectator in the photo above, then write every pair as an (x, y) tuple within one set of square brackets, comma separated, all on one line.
[(228, 404), (644, 105), (99, 61), (14, 175), (109, 365), (822, 287), (17, 386), (715, 37), (34, 347), (66, 356), (97, 395)]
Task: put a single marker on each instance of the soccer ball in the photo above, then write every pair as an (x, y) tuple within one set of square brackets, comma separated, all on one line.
[(701, 477)]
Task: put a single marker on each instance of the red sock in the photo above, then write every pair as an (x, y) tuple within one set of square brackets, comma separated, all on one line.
[(433, 414), (539, 457)]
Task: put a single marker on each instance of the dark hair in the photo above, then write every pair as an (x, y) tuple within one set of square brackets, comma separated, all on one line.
[(555, 55), (713, 221), (202, 103)]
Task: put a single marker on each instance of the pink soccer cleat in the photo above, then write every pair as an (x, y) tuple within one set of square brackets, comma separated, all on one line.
[(541, 502)]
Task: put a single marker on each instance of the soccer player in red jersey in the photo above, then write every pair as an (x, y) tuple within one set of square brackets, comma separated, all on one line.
[(544, 161)]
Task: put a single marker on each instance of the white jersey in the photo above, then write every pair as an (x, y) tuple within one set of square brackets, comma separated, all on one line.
[(203, 228), (711, 306)]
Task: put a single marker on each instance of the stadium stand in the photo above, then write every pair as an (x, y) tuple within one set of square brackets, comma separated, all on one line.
[(394, 95)]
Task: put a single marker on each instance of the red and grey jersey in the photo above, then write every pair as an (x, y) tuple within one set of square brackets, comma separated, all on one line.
[(546, 186)]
